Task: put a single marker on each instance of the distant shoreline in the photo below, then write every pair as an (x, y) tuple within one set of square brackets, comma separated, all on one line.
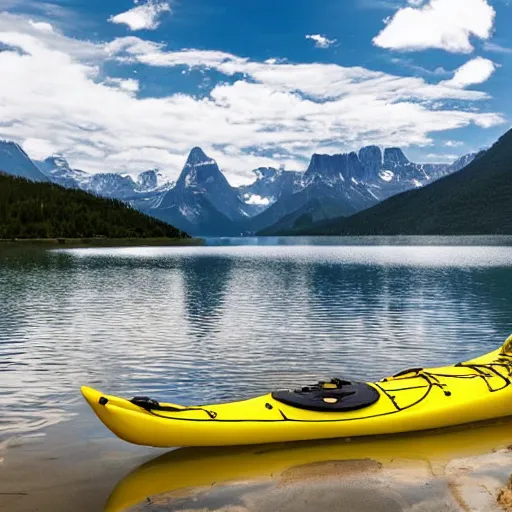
[(101, 242)]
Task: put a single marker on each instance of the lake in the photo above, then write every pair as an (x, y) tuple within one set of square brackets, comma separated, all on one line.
[(237, 318)]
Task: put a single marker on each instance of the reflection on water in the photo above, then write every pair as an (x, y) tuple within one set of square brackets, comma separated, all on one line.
[(198, 324), (190, 468)]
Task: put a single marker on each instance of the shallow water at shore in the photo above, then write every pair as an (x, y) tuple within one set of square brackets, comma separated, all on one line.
[(203, 324), (451, 470)]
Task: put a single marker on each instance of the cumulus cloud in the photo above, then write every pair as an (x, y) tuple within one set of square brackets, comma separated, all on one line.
[(476, 71), (321, 41), (55, 98), (443, 24), (143, 17)]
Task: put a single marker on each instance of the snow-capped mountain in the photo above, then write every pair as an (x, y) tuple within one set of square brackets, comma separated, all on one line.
[(57, 168), (111, 184), (381, 174), (350, 182), (148, 180), (13, 160), (141, 194), (202, 175), (269, 186), (202, 201)]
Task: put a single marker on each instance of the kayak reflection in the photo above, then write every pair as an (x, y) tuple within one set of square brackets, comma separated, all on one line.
[(188, 468)]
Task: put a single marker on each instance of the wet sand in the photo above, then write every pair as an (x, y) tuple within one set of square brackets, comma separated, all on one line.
[(74, 478), (345, 486), (457, 470), (73, 467)]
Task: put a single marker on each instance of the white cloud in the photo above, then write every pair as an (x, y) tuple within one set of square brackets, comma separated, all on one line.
[(443, 24), (256, 199), (476, 71), (146, 16), (320, 81), (128, 85), (321, 41), (54, 98), (41, 25), (46, 9), (39, 148), (496, 48), (453, 143)]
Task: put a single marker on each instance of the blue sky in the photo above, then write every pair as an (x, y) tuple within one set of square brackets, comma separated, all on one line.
[(123, 86)]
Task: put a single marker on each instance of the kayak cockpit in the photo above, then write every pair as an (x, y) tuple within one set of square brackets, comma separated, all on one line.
[(334, 396)]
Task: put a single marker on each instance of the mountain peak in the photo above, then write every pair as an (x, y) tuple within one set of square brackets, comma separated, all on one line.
[(9, 143), (394, 157), (199, 170), (14, 160), (371, 153), (147, 180), (331, 169), (371, 160), (198, 156), (57, 160)]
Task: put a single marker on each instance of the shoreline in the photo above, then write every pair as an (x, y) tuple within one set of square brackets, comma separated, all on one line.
[(101, 242)]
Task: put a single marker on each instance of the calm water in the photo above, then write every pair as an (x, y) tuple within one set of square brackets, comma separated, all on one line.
[(225, 321)]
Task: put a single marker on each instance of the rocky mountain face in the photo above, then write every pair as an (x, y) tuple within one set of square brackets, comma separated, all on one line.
[(111, 185), (14, 161), (351, 182), (464, 161), (142, 194), (474, 201), (372, 175), (57, 169), (269, 186), (203, 202), (148, 180)]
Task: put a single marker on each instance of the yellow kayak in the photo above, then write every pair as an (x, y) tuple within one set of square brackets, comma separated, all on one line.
[(193, 468), (413, 400)]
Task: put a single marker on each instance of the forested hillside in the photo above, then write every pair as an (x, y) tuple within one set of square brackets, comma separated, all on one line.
[(45, 210)]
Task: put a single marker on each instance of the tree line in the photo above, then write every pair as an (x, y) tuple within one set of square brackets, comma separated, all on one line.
[(45, 210)]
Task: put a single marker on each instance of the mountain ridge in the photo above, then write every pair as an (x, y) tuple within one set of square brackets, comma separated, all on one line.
[(203, 202), (472, 201), (350, 183)]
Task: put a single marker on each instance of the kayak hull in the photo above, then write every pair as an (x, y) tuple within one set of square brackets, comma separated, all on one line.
[(432, 398)]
